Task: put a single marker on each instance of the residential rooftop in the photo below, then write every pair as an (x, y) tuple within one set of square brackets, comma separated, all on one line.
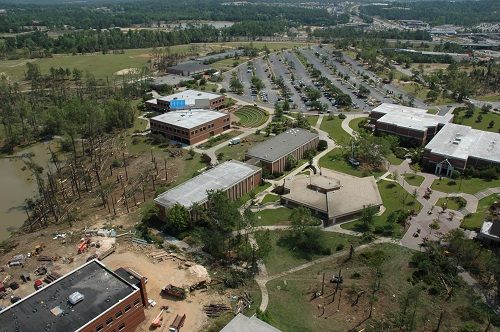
[(189, 118), (350, 193), (194, 190), (49, 308), (461, 142), (410, 117), (282, 144)]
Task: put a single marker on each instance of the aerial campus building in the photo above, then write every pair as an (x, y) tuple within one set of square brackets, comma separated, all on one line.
[(188, 99), (190, 126), (188, 69), (272, 154), (455, 147), (331, 196), (90, 298), (234, 177), (413, 124), (242, 323)]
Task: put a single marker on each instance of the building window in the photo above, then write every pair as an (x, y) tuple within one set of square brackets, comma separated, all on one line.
[(136, 302), (99, 328), (192, 132), (121, 327), (109, 321), (127, 308), (118, 314)]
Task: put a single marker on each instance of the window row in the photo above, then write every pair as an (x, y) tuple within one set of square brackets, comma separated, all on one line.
[(109, 321)]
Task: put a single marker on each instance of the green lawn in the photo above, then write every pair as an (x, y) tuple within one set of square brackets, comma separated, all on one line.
[(216, 140), (354, 123), (269, 217), (245, 198), (469, 186), (394, 160), (392, 195), (451, 202), (237, 152), (495, 97), (312, 119), (475, 220), (432, 111), (270, 198), (335, 161), (413, 179), (251, 116), (334, 129), (282, 259), (485, 122)]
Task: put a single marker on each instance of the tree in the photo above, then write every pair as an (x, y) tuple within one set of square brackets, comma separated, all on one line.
[(192, 153), (291, 162), (491, 124), (367, 215), (300, 219), (177, 218), (363, 91)]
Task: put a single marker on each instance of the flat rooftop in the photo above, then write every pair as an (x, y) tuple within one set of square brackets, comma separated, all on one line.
[(353, 193), (282, 144), (190, 95), (190, 66), (102, 290), (461, 142), (410, 117), (194, 190), (189, 118)]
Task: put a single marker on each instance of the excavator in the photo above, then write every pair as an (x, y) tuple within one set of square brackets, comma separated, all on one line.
[(157, 321)]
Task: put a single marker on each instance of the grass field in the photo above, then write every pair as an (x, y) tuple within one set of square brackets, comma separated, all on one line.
[(251, 116), (489, 98), (312, 119), (394, 160), (469, 186), (270, 198), (354, 123), (485, 122), (392, 195), (238, 151), (282, 258), (475, 220), (335, 160), (413, 179), (269, 217), (334, 129), (451, 202), (292, 308)]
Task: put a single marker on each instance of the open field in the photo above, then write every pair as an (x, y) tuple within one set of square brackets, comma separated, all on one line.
[(334, 129), (270, 198), (238, 151), (413, 179), (469, 186), (270, 217), (354, 123), (484, 124), (394, 160), (335, 160)]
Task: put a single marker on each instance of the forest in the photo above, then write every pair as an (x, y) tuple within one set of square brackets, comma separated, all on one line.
[(462, 13)]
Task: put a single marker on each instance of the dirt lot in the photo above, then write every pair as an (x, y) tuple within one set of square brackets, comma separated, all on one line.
[(170, 271)]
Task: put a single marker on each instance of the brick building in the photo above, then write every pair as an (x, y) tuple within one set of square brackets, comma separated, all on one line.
[(234, 177), (331, 196), (191, 126), (273, 153), (188, 99), (109, 304), (455, 147), (413, 124)]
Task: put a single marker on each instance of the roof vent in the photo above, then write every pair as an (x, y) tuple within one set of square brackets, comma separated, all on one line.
[(75, 298)]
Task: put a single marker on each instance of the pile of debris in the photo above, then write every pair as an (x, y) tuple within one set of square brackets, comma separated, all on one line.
[(215, 310), (244, 302)]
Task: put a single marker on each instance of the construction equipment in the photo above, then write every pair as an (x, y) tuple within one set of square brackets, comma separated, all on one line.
[(174, 291), (83, 245), (157, 321), (177, 323), (202, 284)]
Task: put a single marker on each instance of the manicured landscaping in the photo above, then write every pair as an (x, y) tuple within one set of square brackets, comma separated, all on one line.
[(484, 124), (251, 116), (413, 179), (334, 160), (270, 198), (216, 140), (354, 123), (469, 186), (269, 217), (392, 196), (334, 129), (245, 198), (237, 151), (474, 221), (312, 120), (394, 160), (452, 203), (281, 258)]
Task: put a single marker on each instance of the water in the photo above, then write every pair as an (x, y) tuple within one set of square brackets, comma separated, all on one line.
[(16, 186)]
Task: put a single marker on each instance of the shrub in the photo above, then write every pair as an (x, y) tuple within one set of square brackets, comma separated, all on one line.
[(356, 275), (340, 247), (322, 145), (342, 116)]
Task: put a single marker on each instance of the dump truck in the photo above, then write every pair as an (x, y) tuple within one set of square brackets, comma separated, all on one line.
[(177, 323), (174, 291)]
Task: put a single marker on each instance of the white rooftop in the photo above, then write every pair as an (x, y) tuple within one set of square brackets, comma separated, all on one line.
[(461, 142), (242, 323), (189, 118), (410, 117), (194, 190), (190, 96)]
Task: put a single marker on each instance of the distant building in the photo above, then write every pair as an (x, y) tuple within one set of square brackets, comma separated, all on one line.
[(234, 177), (89, 298), (331, 196), (273, 153), (188, 69), (242, 323), (188, 99), (191, 126), (455, 147), (489, 235), (410, 123)]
